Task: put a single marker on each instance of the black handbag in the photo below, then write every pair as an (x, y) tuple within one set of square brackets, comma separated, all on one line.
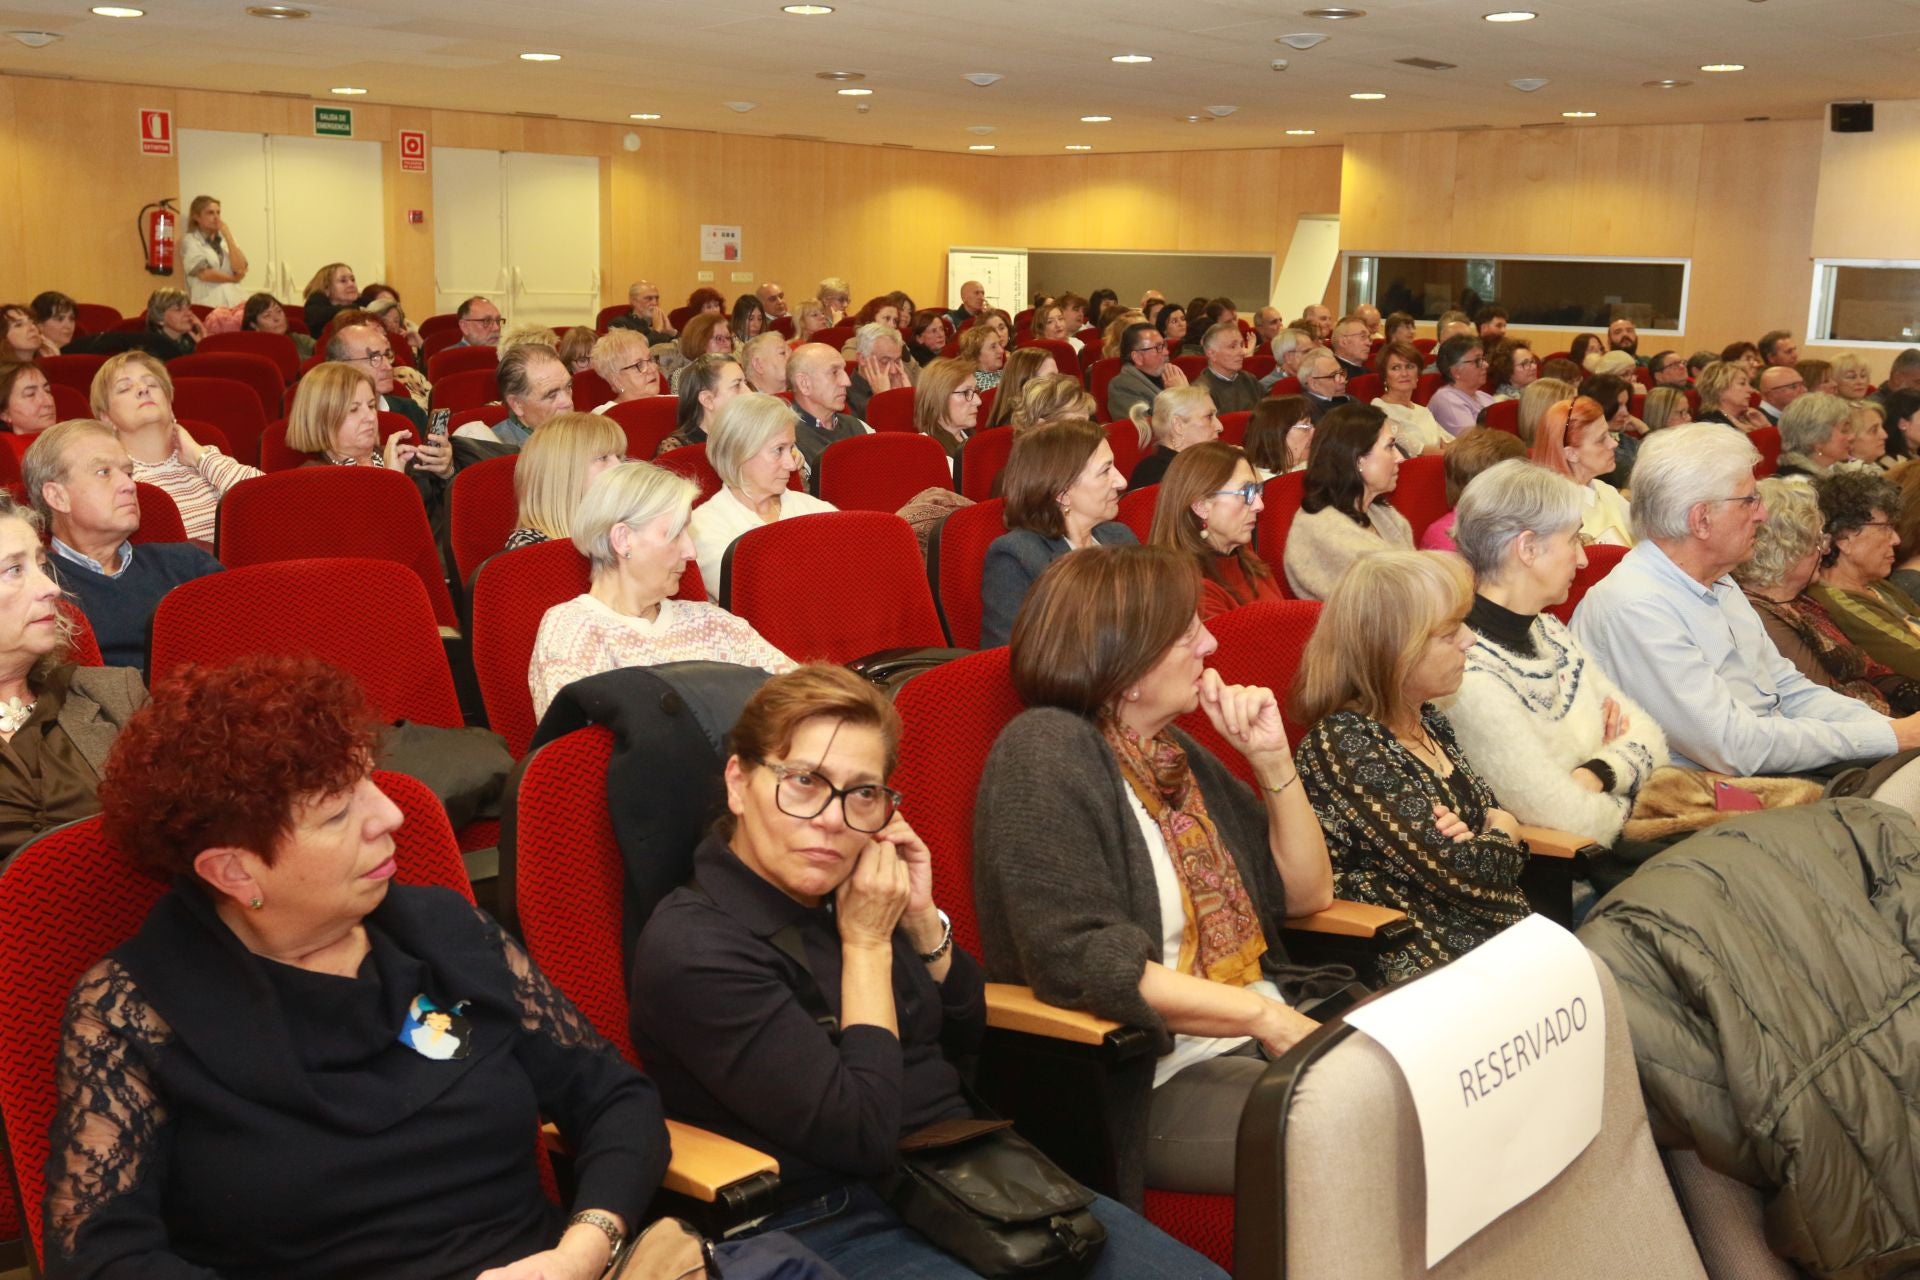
[(975, 1188)]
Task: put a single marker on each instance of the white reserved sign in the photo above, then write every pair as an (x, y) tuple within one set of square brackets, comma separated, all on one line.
[(1504, 1053)]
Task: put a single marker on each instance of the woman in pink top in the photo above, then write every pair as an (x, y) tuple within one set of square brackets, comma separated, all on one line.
[(1462, 361)]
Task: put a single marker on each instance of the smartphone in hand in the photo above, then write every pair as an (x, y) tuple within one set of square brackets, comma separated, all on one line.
[(437, 423)]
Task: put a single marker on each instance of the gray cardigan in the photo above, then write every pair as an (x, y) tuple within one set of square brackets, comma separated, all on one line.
[(1014, 560), (1128, 388)]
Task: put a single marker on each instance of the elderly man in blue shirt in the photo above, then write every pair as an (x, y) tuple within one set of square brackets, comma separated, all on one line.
[(1678, 636)]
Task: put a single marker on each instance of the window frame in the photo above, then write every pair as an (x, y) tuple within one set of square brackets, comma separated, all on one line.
[(1685, 264), (1820, 303)]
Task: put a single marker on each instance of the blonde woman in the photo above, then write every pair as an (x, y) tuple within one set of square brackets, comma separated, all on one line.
[(331, 291), (1667, 407), (1537, 399), (1723, 387), (335, 421), (1852, 379), (632, 525), (555, 467), (1868, 433), (576, 349), (624, 361), (1181, 417), (836, 295), (810, 319), (750, 444), (1022, 367), (530, 335), (1049, 398), (133, 394), (985, 349), (1115, 330)]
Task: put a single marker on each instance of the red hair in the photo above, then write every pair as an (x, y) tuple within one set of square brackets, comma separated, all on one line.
[(1564, 426), (221, 755)]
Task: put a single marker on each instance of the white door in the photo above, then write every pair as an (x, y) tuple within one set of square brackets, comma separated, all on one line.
[(295, 204), (520, 229)]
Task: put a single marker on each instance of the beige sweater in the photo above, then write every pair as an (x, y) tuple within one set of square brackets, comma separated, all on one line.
[(1320, 546)]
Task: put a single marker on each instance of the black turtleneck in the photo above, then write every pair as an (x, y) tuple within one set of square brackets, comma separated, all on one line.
[(1502, 626)]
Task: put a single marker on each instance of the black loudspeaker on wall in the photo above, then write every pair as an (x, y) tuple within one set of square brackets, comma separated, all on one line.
[(1851, 117)]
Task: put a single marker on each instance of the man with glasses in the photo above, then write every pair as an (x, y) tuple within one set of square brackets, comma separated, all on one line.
[(1325, 383), (644, 314), (479, 323), (1669, 369), (773, 300), (1351, 345), (1779, 387), (1680, 638), (369, 347), (1144, 375)]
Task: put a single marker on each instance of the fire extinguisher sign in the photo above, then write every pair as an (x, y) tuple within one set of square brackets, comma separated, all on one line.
[(156, 132)]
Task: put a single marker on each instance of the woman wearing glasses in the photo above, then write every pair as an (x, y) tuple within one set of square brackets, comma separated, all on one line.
[(632, 524), (946, 405), (814, 898), (1208, 506), (1574, 439), (624, 361), (335, 420), (1345, 513), (1462, 361)]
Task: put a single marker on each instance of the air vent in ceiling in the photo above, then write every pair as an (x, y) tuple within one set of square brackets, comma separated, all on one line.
[(1427, 64)]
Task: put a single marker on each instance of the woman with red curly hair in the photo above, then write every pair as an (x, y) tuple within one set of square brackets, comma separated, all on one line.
[(298, 1068)]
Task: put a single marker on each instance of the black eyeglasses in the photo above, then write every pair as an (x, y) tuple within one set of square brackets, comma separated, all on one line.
[(801, 793), (375, 357)]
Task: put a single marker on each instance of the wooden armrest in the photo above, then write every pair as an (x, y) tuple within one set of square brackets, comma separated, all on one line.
[(1347, 919), (1549, 843), (705, 1163), (1012, 1008)]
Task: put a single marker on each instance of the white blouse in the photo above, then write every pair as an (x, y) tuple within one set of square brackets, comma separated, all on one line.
[(723, 517)]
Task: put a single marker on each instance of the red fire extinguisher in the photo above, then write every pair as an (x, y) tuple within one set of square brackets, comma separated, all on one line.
[(157, 223)]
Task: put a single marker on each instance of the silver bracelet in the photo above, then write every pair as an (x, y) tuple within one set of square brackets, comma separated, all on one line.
[(605, 1223), (946, 940)]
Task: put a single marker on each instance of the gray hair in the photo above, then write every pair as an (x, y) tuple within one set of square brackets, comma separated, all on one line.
[(615, 349), (1218, 336), (632, 494), (741, 429), (1312, 355), (1617, 363), (1811, 419), (1506, 500), (162, 301), (1792, 528), (867, 336), (513, 376), (1681, 467), (46, 463)]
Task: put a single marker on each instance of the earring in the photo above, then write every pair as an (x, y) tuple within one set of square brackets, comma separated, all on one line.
[(1133, 695), (257, 903)]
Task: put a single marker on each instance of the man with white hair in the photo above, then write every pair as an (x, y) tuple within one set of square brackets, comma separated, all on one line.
[(644, 315), (1351, 345), (1266, 326), (1325, 383), (818, 379), (883, 367), (1225, 378), (1679, 638), (764, 361), (1288, 346)]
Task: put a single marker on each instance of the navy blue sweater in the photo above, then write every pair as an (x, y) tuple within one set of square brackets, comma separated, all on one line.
[(119, 608)]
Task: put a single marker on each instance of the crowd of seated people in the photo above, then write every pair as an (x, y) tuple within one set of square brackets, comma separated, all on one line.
[(1443, 704)]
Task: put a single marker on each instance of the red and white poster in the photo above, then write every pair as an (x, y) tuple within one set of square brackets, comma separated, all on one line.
[(156, 132), (413, 151)]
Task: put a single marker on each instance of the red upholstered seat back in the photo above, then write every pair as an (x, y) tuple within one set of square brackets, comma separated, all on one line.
[(1767, 441), (568, 879), (1365, 388), (368, 617), (1600, 562), (1421, 494), (483, 512), (66, 900), (870, 594), (1233, 427), (1065, 358), (891, 410), (1281, 500), (455, 359), (882, 472), (466, 389), (982, 459), (1103, 372), (85, 653), (333, 512), (487, 414), (1260, 644), (1503, 415), (232, 406), (96, 317), (68, 403), (512, 591), (252, 369), (159, 515), (1429, 383), (1124, 438), (647, 422), (74, 371), (589, 390), (606, 315), (957, 560), (950, 717), (1136, 510), (691, 461), (836, 336), (277, 347)]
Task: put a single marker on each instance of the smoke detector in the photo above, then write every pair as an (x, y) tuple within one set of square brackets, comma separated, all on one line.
[(981, 79), (35, 39), (1528, 84), (741, 107), (1303, 40)]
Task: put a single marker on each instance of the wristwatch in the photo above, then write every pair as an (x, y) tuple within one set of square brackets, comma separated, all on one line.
[(946, 939), (606, 1223)]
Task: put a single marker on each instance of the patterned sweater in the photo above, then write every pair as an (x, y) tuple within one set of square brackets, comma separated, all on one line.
[(584, 637), (195, 490)]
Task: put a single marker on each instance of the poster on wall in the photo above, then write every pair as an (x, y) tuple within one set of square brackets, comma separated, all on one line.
[(719, 244), (156, 132)]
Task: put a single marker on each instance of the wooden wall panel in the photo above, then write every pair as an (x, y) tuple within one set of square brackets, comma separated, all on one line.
[(1753, 232), (1869, 187)]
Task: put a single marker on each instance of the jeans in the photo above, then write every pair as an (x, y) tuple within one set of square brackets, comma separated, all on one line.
[(861, 1236)]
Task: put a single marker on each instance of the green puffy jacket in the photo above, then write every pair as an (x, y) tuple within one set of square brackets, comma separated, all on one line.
[(1771, 972)]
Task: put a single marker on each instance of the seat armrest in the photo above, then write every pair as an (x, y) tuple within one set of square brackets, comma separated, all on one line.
[(1014, 1008), (1545, 842), (705, 1164), (1347, 920)]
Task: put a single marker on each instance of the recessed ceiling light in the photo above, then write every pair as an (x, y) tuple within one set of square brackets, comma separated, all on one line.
[(348, 91), (287, 12), (644, 115), (854, 93), (742, 107), (1300, 133), (1579, 115), (1219, 112), (116, 11), (1096, 119), (1366, 97), (34, 39), (1131, 58), (1509, 15), (1665, 84), (1529, 84), (1724, 66), (539, 57), (981, 146), (1078, 146), (1303, 40), (981, 79), (1333, 15), (807, 10)]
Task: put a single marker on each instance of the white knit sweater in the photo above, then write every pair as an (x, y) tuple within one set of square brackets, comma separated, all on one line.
[(1320, 546), (1528, 723)]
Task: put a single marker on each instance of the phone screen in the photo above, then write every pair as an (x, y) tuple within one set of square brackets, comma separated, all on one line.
[(437, 422)]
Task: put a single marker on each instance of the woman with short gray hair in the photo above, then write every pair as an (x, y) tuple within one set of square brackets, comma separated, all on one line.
[(632, 526), (172, 327), (1816, 431), (1546, 728), (752, 451), (1787, 548)]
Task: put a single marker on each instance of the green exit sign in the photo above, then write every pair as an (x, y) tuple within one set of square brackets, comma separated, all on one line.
[(333, 122)]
